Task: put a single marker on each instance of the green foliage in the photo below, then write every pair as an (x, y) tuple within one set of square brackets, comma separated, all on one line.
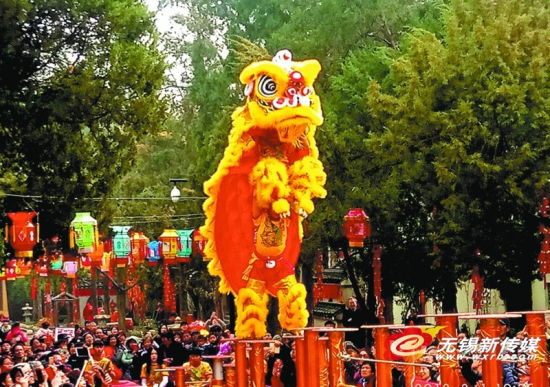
[(463, 132), (79, 84)]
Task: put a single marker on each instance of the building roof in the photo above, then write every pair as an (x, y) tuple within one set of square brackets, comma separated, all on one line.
[(327, 310)]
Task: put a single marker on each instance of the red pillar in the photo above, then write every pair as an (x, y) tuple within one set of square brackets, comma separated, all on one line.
[(449, 363), (536, 327)]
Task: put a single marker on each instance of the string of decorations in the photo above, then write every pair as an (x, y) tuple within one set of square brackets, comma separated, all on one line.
[(128, 248), (183, 198)]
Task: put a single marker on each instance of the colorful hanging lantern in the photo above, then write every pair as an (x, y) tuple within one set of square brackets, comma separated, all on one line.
[(56, 264), (86, 261), (70, 268), (184, 254), (42, 266), (199, 244), (171, 244), (11, 270), (22, 235), (356, 227), (84, 235), (140, 249), (97, 255), (153, 259), (121, 244), (24, 266)]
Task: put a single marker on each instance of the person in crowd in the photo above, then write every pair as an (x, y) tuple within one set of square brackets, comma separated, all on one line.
[(174, 354), (366, 376), (6, 349), (426, 373), (149, 377), (39, 373), (197, 370), (20, 378), (88, 312), (215, 320), (111, 347), (15, 332), (4, 329), (6, 364), (102, 367), (127, 358), (351, 367), (184, 326), (413, 318), (5, 380), (212, 347), (19, 355), (186, 338), (44, 330), (194, 337), (74, 361), (354, 317), (89, 340)]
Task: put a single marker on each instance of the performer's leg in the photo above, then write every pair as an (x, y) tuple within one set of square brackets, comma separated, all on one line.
[(292, 303), (252, 310)]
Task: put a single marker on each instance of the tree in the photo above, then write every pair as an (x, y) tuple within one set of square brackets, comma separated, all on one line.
[(461, 132), (80, 82)]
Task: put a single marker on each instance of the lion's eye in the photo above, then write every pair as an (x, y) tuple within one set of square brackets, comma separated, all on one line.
[(267, 86)]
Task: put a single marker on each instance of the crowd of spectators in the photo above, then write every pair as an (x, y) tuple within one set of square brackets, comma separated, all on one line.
[(100, 357)]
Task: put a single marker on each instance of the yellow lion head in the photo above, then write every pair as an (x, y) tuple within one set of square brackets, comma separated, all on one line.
[(280, 95)]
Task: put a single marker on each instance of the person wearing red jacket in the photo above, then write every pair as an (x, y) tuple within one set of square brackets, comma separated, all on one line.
[(17, 331), (88, 312)]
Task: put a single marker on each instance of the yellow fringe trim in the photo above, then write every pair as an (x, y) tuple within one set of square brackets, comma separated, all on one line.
[(293, 312), (251, 314), (270, 180)]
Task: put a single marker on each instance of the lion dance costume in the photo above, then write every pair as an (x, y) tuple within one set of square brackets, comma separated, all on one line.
[(263, 189)]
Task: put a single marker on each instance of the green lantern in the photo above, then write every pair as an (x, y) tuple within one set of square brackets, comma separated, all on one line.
[(84, 234), (121, 244), (186, 237)]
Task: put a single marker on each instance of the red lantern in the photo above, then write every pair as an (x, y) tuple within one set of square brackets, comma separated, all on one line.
[(11, 270), (96, 256), (356, 227), (42, 266), (199, 244), (86, 261), (140, 250), (22, 235)]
